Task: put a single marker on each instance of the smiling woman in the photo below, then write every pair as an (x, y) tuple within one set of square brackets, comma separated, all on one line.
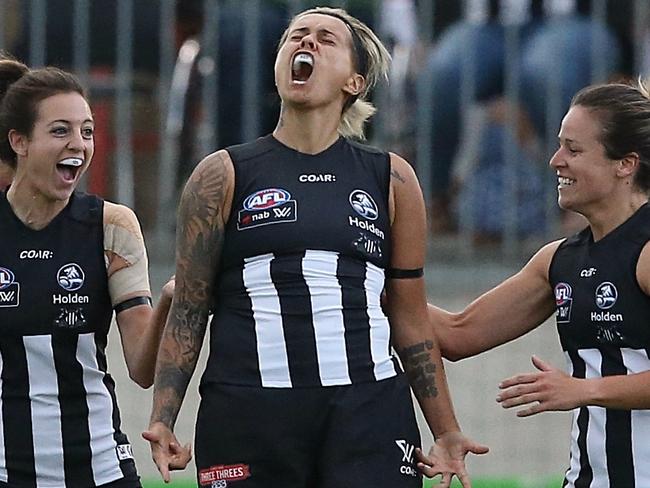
[(68, 262)]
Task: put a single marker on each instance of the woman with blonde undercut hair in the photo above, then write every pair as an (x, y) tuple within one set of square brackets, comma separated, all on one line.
[(289, 242)]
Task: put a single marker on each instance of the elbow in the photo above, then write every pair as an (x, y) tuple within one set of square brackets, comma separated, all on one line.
[(143, 379)]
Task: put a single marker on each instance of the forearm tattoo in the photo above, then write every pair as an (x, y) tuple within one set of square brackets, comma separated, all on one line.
[(198, 248), (420, 369)]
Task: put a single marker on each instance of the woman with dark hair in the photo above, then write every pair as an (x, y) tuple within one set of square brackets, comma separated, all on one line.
[(289, 241), (68, 261), (598, 284)]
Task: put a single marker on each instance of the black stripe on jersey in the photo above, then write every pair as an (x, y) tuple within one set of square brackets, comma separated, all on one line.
[(74, 411), (295, 304), (586, 475), (16, 414), (352, 276), (618, 427)]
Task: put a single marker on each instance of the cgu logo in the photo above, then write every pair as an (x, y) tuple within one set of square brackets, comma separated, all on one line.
[(263, 199), (6, 278)]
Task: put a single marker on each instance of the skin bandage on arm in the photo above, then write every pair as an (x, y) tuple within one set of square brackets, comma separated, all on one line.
[(126, 257)]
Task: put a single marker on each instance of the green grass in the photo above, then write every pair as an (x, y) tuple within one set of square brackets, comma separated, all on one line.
[(476, 483)]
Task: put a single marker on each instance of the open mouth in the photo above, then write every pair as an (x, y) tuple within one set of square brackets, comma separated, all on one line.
[(69, 168), (302, 67)]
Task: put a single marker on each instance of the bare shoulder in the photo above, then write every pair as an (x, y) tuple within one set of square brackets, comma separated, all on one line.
[(401, 172), (643, 269), (210, 186), (541, 260)]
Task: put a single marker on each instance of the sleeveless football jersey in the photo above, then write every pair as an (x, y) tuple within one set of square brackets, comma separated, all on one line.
[(298, 297), (603, 319), (59, 422)]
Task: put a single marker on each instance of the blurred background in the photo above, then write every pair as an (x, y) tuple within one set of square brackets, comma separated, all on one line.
[(474, 101)]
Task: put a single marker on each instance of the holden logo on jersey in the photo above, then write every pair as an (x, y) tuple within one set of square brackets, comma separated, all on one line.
[(407, 457), (364, 205), (563, 302), (264, 207), (9, 289), (606, 295), (70, 277)]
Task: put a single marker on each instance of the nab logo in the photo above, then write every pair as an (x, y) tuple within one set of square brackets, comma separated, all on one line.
[(264, 199), (563, 302), (70, 277), (606, 295), (9, 289), (264, 207), (364, 205)]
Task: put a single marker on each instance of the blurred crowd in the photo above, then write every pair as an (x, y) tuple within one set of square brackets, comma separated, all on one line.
[(475, 85)]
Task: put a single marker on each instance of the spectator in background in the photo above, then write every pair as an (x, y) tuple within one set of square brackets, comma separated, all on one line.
[(556, 44)]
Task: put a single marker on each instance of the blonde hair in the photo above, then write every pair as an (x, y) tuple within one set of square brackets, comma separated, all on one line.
[(377, 63)]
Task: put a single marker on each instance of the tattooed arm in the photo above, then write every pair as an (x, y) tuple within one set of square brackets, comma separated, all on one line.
[(203, 211), (413, 339)]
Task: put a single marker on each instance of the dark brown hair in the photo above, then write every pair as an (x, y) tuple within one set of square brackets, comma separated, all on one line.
[(21, 90), (624, 113)]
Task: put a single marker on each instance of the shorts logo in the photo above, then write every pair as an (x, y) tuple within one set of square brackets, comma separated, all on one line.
[(364, 205), (70, 277), (9, 289), (219, 476), (264, 207), (606, 295), (407, 449), (563, 302)]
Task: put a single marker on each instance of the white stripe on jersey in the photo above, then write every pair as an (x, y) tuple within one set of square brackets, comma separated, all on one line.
[(318, 268), (379, 328), (637, 361), (105, 464), (271, 345), (3, 460), (45, 412), (597, 418)]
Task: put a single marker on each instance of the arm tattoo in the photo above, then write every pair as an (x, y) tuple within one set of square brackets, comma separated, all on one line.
[(397, 176), (199, 241), (419, 368)]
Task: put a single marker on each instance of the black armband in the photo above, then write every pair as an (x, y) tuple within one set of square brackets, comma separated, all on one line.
[(404, 274), (132, 302)]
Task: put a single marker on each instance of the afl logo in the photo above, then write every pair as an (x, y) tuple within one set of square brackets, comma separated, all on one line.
[(70, 277), (606, 295), (6, 278), (562, 293), (269, 198), (363, 204)]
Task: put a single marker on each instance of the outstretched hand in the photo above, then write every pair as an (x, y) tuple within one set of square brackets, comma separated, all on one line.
[(547, 389), (447, 458), (166, 451)]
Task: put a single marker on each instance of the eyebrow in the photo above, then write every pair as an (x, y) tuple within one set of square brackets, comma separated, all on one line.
[(322, 30), (65, 121)]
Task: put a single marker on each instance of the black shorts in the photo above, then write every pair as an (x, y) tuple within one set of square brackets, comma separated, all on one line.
[(332, 437)]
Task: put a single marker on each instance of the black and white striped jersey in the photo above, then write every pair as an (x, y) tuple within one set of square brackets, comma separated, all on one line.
[(603, 319), (59, 422), (298, 296)]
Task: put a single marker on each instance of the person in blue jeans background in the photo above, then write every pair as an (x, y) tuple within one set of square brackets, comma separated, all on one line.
[(555, 50)]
